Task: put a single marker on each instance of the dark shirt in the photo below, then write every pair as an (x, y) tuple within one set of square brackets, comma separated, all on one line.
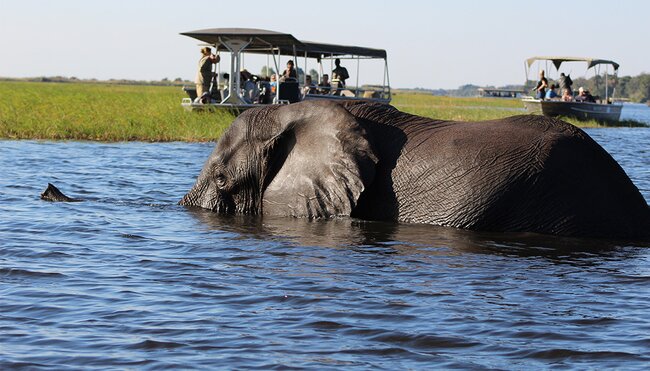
[(290, 73), (587, 97), (324, 88), (541, 93)]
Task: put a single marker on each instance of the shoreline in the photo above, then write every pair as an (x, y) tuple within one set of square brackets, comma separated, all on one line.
[(152, 113)]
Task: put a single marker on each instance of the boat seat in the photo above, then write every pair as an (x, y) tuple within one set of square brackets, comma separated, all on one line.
[(191, 92)]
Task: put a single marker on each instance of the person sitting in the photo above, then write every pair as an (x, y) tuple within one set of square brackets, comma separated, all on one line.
[(584, 96), (249, 87), (226, 82), (264, 85), (324, 86), (289, 73), (550, 94), (309, 87), (274, 84), (567, 95)]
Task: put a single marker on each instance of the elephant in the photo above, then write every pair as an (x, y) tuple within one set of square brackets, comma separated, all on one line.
[(322, 159), (52, 193)]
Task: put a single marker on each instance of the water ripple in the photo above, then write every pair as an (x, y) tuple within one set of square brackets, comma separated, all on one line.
[(128, 279)]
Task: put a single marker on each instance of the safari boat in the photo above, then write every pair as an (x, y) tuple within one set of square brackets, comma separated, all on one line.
[(240, 42), (603, 109)]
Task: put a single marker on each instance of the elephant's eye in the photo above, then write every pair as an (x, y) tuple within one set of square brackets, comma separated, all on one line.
[(220, 180)]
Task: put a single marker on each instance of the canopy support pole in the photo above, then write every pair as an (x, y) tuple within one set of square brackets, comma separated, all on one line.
[(356, 93), (235, 47)]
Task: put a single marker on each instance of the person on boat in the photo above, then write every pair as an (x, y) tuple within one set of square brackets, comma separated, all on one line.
[(567, 95), (289, 73), (204, 74), (550, 94), (264, 86), (309, 88), (585, 96), (274, 83), (565, 83), (249, 87), (324, 86), (541, 86), (339, 73), (226, 84)]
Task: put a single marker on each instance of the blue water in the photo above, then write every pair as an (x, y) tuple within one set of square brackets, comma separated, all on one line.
[(130, 280)]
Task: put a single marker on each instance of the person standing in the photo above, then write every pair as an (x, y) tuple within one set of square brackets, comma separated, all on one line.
[(542, 84), (565, 84), (204, 74), (339, 73)]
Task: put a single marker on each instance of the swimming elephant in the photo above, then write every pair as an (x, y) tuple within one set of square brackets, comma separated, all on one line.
[(370, 161)]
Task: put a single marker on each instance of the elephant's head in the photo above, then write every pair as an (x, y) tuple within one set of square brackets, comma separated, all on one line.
[(310, 160)]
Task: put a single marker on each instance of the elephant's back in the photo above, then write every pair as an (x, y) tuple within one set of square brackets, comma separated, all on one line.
[(523, 173)]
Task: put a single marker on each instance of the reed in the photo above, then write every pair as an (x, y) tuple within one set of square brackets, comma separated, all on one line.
[(111, 112)]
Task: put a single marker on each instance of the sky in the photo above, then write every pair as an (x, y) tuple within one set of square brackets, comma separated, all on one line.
[(430, 44)]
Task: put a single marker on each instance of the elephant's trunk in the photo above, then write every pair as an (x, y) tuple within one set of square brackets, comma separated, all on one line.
[(203, 194)]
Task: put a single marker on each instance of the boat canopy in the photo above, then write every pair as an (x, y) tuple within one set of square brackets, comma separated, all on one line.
[(261, 41), (316, 50), (557, 61)]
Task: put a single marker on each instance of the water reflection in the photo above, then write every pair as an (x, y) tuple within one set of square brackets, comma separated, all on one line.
[(401, 238)]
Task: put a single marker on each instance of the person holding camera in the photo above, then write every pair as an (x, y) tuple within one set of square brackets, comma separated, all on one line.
[(205, 74)]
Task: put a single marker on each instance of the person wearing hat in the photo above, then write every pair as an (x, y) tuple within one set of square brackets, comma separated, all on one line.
[(204, 75), (585, 96)]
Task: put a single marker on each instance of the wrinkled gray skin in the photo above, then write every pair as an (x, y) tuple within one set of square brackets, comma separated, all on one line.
[(51, 193), (371, 161)]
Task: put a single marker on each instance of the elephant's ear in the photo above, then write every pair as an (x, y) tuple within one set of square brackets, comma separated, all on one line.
[(322, 162)]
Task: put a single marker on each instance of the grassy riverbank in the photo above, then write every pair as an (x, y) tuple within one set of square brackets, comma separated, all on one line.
[(110, 112), (106, 112)]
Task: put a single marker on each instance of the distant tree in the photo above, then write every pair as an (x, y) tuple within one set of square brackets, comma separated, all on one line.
[(267, 71), (314, 76), (468, 90), (640, 88)]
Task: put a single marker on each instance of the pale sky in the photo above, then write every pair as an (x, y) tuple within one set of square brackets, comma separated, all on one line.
[(430, 44)]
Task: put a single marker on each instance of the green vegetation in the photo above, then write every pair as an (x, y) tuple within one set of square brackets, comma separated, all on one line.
[(478, 109), (459, 109), (105, 112), (115, 112)]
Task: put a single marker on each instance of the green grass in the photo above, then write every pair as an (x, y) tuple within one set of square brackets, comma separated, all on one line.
[(479, 109), (111, 112), (104, 112), (458, 109)]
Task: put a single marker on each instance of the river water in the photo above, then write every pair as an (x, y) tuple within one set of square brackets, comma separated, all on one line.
[(130, 280)]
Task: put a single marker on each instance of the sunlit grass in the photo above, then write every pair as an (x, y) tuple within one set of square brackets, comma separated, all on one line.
[(104, 112), (479, 109), (110, 112)]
